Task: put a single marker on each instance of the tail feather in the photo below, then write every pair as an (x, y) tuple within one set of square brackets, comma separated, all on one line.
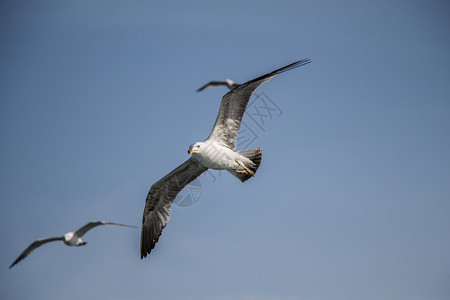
[(255, 156)]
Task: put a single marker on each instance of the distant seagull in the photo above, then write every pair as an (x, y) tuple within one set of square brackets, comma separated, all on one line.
[(216, 152), (228, 83), (70, 238)]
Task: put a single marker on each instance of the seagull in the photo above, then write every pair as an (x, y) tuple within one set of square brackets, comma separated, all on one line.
[(70, 238), (216, 152), (228, 83)]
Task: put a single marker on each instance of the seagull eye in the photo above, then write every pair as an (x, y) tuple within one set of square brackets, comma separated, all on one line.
[(198, 146)]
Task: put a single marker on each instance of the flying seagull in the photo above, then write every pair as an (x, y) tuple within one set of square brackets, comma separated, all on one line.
[(228, 83), (70, 238), (216, 152)]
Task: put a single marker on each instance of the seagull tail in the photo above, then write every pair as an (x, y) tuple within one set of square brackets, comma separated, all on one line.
[(255, 156)]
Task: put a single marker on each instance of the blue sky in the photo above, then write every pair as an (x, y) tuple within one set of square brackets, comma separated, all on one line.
[(98, 101)]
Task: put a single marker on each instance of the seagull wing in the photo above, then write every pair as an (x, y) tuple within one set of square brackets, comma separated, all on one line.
[(34, 245), (235, 102), (80, 232), (211, 84), (160, 198)]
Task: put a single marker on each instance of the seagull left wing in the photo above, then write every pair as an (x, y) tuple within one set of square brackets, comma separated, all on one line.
[(211, 84), (34, 245), (160, 198), (235, 102), (80, 232)]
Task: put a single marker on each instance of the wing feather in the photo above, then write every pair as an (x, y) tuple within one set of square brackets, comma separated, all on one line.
[(35, 245), (80, 232), (234, 103), (159, 200), (211, 84)]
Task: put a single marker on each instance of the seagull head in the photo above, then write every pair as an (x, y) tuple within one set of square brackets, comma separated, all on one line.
[(230, 82), (194, 148)]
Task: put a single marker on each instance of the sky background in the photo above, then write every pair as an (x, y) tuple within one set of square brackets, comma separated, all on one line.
[(352, 200)]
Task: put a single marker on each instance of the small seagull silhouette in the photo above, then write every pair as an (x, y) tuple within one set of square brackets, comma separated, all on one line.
[(70, 238)]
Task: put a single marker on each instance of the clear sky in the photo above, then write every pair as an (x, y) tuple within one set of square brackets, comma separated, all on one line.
[(352, 200)]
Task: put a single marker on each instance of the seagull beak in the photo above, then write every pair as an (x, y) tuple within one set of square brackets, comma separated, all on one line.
[(190, 151)]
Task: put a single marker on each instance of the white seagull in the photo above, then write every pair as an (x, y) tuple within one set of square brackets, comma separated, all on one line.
[(70, 238), (216, 152), (228, 83)]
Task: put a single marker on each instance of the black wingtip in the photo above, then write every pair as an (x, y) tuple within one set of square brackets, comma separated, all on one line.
[(276, 72), (13, 264), (292, 66), (123, 225)]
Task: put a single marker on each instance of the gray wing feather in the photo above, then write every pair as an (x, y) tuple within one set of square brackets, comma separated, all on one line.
[(80, 232), (35, 245), (160, 198), (234, 103)]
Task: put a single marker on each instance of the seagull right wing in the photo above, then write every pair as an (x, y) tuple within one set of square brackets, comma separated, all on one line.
[(33, 246), (234, 103), (80, 232), (160, 198)]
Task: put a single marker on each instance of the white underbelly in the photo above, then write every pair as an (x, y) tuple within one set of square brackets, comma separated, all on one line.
[(73, 241), (218, 158)]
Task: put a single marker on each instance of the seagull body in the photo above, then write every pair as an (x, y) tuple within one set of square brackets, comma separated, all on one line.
[(215, 156), (216, 152), (70, 239)]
